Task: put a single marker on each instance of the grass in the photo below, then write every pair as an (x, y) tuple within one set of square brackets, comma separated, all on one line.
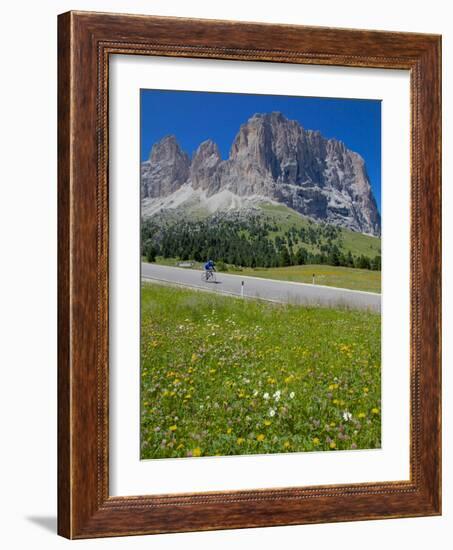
[(342, 277), (224, 376)]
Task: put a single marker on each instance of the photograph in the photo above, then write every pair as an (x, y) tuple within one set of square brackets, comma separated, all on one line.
[(260, 274), (227, 275)]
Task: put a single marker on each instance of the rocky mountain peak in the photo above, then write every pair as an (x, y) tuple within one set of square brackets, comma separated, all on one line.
[(207, 151), (166, 170), (276, 159), (166, 150), (204, 166)]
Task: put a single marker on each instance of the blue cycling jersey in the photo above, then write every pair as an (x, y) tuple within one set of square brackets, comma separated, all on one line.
[(209, 264)]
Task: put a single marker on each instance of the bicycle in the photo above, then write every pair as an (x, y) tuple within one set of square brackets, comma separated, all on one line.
[(208, 276)]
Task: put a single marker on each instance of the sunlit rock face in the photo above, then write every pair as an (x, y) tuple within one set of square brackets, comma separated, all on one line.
[(271, 158)]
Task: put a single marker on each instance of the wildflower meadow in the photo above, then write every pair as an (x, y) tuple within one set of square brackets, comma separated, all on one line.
[(226, 376)]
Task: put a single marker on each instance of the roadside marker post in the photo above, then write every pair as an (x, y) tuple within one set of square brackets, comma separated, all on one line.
[(242, 289), (313, 278)]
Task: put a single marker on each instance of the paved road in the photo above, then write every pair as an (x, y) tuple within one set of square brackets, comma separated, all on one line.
[(254, 287)]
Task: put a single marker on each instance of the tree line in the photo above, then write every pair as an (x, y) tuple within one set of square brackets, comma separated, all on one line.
[(248, 242)]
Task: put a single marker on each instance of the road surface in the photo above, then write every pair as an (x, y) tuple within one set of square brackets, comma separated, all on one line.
[(277, 291)]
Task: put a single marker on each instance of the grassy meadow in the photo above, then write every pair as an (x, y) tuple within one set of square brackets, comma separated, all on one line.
[(225, 376), (342, 277)]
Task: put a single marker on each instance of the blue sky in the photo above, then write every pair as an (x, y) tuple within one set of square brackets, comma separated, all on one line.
[(196, 116)]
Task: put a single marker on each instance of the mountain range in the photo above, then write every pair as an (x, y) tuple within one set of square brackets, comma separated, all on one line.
[(272, 160)]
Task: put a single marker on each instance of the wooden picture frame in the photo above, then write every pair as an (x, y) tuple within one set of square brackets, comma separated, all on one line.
[(85, 42)]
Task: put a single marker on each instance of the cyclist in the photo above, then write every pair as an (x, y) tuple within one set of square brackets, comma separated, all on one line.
[(209, 267)]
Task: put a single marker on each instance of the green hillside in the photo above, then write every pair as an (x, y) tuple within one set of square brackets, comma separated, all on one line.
[(357, 243), (266, 236)]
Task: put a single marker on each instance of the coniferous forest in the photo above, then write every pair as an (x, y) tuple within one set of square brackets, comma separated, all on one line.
[(249, 241)]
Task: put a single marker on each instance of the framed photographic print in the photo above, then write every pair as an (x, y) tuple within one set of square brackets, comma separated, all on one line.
[(249, 275)]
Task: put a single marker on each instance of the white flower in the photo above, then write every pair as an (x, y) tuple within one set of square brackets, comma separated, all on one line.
[(266, 396), (272, 412), (347, 416), (291, 395), (277, 395)]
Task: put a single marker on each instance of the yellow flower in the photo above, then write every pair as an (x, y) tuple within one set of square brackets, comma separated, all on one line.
[(286, 444), (212, 371), (335, 401), (173, 428), (196, 451), (361, 415), (229, 430), (315, 441), (332, 424), (260, 437), (366, 390), (240, 440), (194, 357), (267, 422), (332, 445), (180, 446), (375, 410)]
